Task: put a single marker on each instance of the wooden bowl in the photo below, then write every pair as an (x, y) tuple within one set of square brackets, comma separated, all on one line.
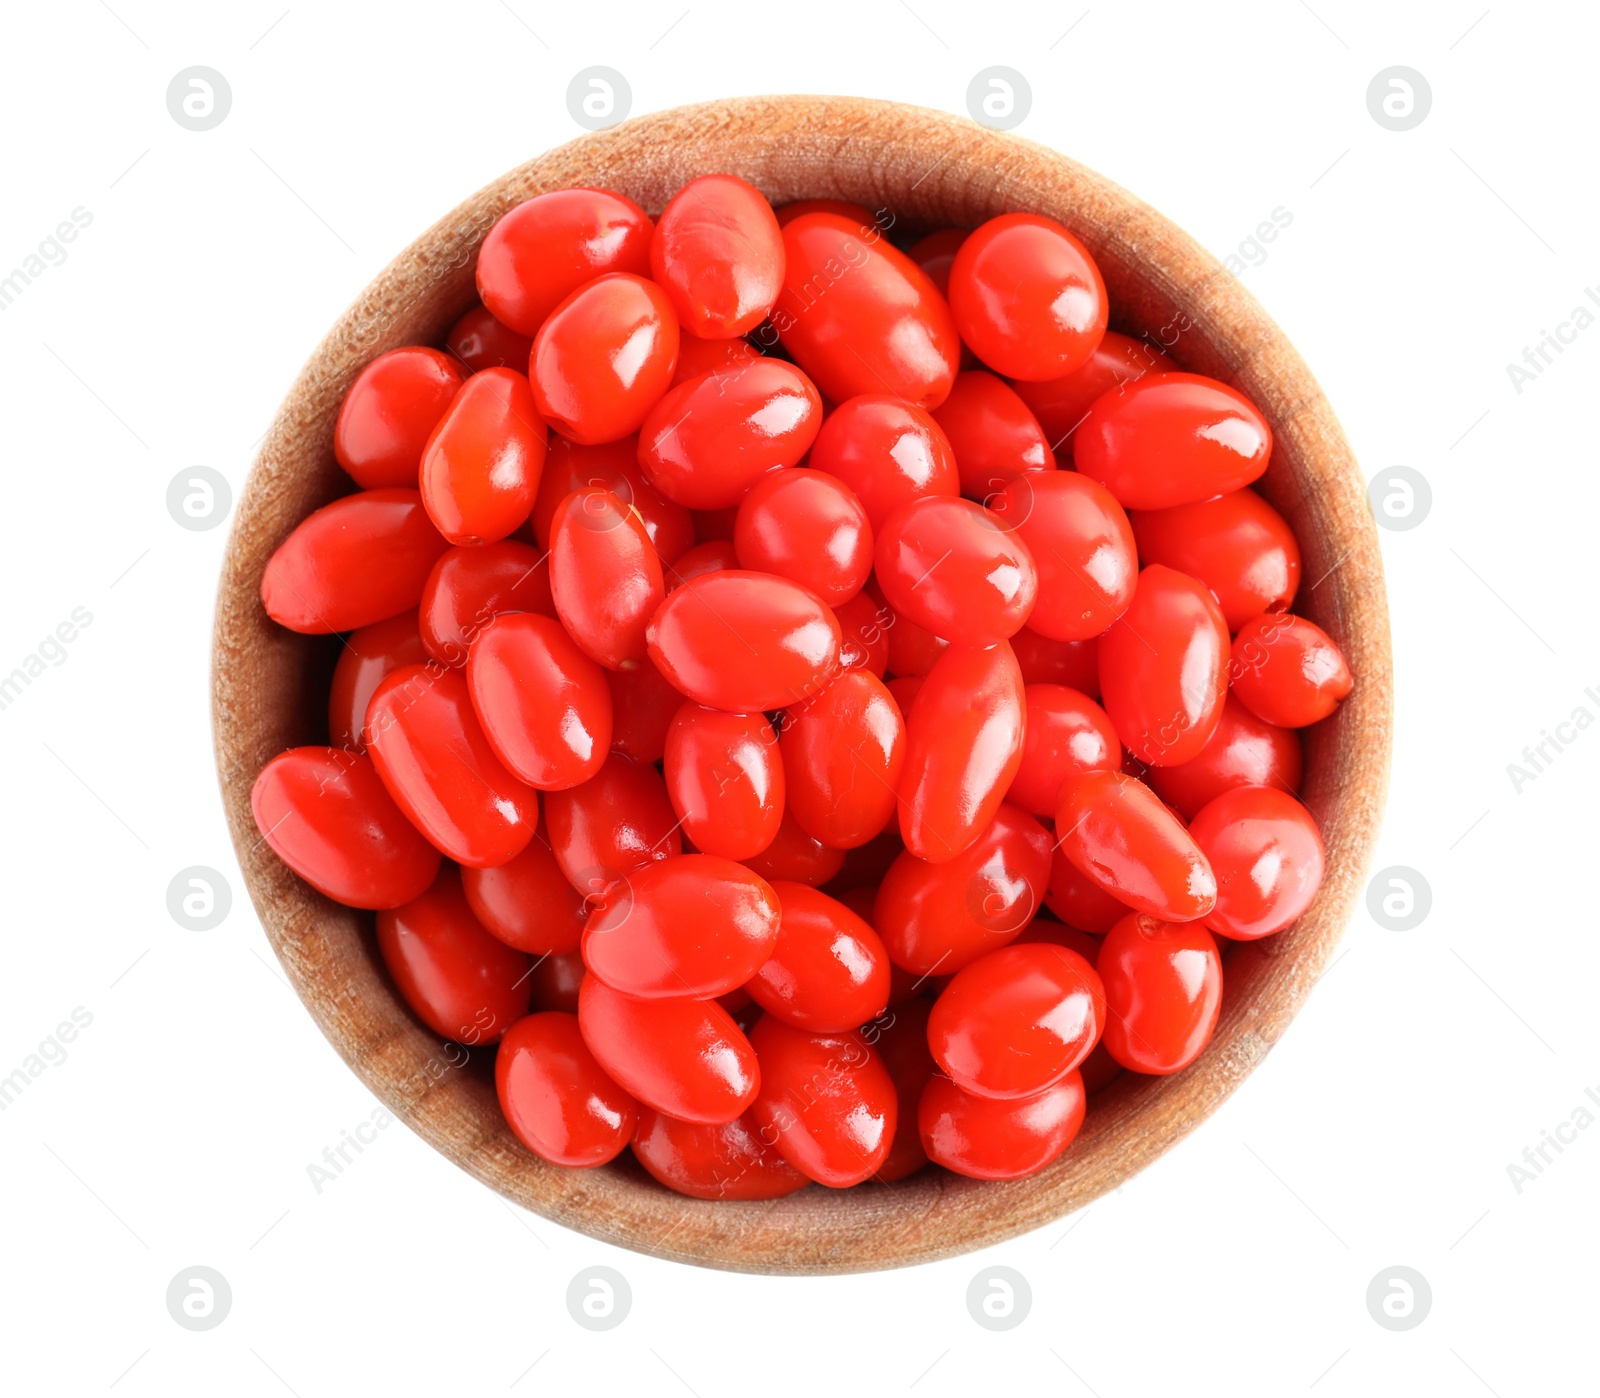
[(931, 170)]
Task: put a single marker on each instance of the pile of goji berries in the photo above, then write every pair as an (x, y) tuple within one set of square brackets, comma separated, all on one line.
[(750, 628)]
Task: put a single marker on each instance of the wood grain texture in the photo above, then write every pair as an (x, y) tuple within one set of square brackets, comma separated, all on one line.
[(931, 170)]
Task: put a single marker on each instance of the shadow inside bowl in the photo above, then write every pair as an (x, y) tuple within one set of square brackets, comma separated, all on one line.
[(929, 170)]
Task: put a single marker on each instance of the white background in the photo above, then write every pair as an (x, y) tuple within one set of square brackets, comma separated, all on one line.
[(179, 1129)]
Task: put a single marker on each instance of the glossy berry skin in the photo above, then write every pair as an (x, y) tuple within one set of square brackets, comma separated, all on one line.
[(368, 655), (389, 412), (710, 439), (544, 705), (806, 526), (1017, 1021), (555, 980), (744, 641), (543, 250), (359, 560), (612, 466), (952, 567), (1058, 934), (1163, 984), (1099, 1069), (863, 633), (935, 254), (1115, 829), (604, 357), (481, 467), (963, 749), (913, 652), (693, 925), (796, 857), (936, 919), (1075, 664), (1027, 297), (725, 779), (859, 316), (326, 814), (827, 1099), (904, 985), (1082, 546), (888, 452), (718, 254), (469, 587), (912, 649), (1172, 439), (1065, 733), (643, 706), (903, 689), (457, 979), (478, 341), (828, 971), (1236, 544), (527, 902), (1164, 668), (863, 870), (615, 822), (729, 1161), (1287, 670), (988, 1138), (842, 756), (1267, 854), (714, 556), (1061, 404), (1243, 751), (557, 1099), (438, 765), (684, 1057), (1078, 901), (994, 436), (697, 356), (901, 1038), (605, 577)]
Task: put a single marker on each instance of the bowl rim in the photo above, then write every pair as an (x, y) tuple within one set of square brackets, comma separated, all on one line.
[(933, 169)]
